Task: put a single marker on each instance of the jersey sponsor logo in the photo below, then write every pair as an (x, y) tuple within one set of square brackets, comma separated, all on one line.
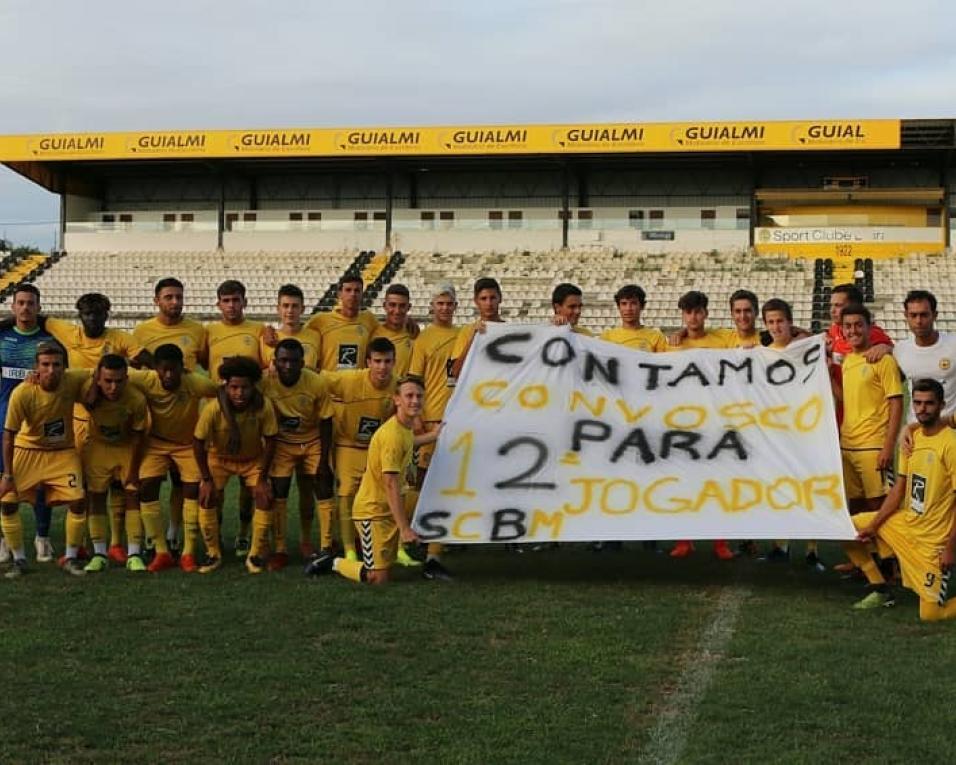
[(15, 373), (449, 377), (366, 428), (289, 424), (918, 494), (348, 356), (110, 432), (54, 429)]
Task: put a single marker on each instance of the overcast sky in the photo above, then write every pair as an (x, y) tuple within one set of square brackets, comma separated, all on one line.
[(111, 65)]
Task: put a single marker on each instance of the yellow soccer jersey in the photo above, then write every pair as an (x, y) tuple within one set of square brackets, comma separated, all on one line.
[(359, 408), (867, 389), (227, 340), (44, 419), (463, 341), (343, 340), (649, 339), (579, 330), (300, 407), (403, 347), (713, 338), (390, 451), (188, 335), (85, 352), (734, 339), (310, 344), (253, 427), (930, 487), (113, 422), (173, 414), (431, 360)]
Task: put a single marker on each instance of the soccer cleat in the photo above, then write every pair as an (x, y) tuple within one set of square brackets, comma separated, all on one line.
[(5, 555), (722, 551), (18, 569), (97, 565), (161, 562), (434, 571), (748, 548), (73, 566), (242, 547), (278, 561), (188, 564), (135, 564), (814, 562), (320, 564), (682, 549), (255, 564), (117, 554), (404, 559), (306, 550), (44, 549), (776, 555), (875, 599), (212, 563)]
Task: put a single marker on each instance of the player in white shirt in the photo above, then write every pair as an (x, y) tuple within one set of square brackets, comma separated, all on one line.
[(929, 353)]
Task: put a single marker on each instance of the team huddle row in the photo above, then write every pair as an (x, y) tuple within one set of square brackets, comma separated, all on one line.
[(349, 408)]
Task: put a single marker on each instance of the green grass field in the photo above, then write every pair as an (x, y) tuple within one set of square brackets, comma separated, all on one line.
[(559, 656)]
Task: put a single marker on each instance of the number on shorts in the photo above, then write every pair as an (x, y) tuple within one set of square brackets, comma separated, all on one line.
[(930, 579), (72, 482)]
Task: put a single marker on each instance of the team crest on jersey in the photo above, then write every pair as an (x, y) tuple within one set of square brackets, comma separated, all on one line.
[(945, 364), (186, 340), (247, 340), (303, 401), (348, 356), (367, 427), (54, 429), (289, 424)]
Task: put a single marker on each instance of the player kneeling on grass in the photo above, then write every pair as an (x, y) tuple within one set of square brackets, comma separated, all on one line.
[(239, 442), (112, 455), (39, 449), (378, 511), (916, 520)]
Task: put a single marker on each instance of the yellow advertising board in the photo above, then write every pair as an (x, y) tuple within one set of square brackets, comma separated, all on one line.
[(457, 140)]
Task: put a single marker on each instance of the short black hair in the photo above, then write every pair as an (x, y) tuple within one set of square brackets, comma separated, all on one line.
[(563, 291), (290, 344), (231, 287), (398, 289), (112, 361), (380, 345), (349, 279), (169, 281), (856, 309), (168, 353), (777, 304), (692, 300), (630, 292), (918, 296), (50, 348), (415, 379), (854, 294), (745, 295), (293, 291), (239, 366), (928, 385), (92, 301), (27, 287), (487, 283)]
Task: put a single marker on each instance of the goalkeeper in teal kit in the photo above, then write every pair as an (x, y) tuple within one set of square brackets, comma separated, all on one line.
[(19, 339)]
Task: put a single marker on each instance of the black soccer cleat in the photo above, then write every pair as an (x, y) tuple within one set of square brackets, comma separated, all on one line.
[(434, 571), (320, 563)]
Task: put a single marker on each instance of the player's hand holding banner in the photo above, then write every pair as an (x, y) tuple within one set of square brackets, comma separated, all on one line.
[(555, 436)]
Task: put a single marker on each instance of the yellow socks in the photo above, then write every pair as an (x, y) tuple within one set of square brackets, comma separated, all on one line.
[(98, 530), (116, 505), (190, 525), (435, 549), (859, 554), (346, 529), (280, 523), (209, 525), (75, 529), (326, 518), (134, 532), (350, 569), (261, 525), (153, 522), (12, 527)]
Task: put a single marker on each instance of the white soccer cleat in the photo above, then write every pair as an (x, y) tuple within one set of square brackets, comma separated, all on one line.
[(44, 549)]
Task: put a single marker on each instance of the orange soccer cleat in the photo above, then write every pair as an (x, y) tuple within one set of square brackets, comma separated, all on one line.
[(682, 549), (117, 554), (188, 564), (161, 562), (722, 551)]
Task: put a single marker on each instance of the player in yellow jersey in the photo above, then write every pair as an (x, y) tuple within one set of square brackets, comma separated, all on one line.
[(630, 300), (235, 336), (170, 326), (39, 451), (173, 396), (112, 455), (345, 330), (567, 302), (301, 400), (431, 362), (488, 302), (872, 396), (693, 308), (397, 304), (917, 521), (380, 517), (235, 436), (362, 402), (290, 307)]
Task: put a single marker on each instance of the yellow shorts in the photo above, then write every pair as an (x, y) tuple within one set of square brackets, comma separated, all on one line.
[(919, 563), (862, 478), (161, 455), (103, 463), (302, 457), (379, 538), (247, 471), (59, 472), (350, 465)]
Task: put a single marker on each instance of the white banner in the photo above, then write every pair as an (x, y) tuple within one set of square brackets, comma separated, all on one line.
[(555, 436)]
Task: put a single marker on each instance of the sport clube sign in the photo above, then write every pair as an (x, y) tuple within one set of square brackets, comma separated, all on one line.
[(556, 436)]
